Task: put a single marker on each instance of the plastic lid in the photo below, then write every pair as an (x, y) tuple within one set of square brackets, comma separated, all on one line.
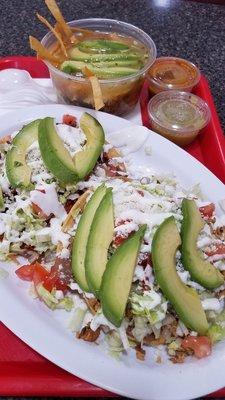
[(179, 111), (173, 73)]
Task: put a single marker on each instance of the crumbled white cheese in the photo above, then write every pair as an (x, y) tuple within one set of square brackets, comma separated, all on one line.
[(75, 286), (212, 304), (65, 253), (100, 319), (2, 227), (57, 235), (205, 241), (48, 201), (4, 183), (73, 138), (34, 160), (184, 276), (139, 273), (59, 294)]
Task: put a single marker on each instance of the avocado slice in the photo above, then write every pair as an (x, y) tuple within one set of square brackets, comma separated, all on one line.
[(56, 157), (100, 72), (102, 45), (86, 159), (117, 278), (201, 271), (17, 170), (185, 300), (81, 238), (99, 239), (1, 199), (75, 54)]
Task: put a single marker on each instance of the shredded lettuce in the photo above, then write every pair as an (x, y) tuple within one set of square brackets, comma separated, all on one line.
[(216, 331), (150, 305), (52, 302), (65, 304), (115, 344), (46, 296), (141, 328), (77, 319)]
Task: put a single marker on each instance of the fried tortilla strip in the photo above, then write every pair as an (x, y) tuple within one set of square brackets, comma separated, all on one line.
[(42, 52), (140, 353), (75, 210), (96, 88), (88, 334), (54, 9), (5, 139), (55, 33), (93, 304)]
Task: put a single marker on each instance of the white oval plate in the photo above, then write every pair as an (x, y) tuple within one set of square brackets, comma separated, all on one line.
[(46, 331)]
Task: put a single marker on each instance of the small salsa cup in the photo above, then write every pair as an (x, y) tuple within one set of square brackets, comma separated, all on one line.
[(119, 95), (172, 73), (178, 116)]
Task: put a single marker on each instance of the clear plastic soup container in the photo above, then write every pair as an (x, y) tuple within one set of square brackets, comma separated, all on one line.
[(120, 95), (179, 116), (172, 73)]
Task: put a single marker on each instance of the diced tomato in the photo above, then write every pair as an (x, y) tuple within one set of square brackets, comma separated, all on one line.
[(59, 276), (26, 272), (40, 274), (69, 120), (33, 273), (141, 193), (217, 249), (119, 240), (201, 345), (38, 211), (207, 211)]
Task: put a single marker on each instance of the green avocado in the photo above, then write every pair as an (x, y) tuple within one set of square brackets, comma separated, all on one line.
[(102, 45), (17, 170), (201, 271), (117, 278), (99, 239), (75, 54), (1, 200), (56, 157), (81, 238), (100, 71), (86, 159), (185, 300)]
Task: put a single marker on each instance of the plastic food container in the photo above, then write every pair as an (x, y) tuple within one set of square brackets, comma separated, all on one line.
[(172, 73), (119, 95), (179, 116)]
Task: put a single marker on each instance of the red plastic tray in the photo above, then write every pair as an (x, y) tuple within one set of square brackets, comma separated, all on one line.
[(23, 372)]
